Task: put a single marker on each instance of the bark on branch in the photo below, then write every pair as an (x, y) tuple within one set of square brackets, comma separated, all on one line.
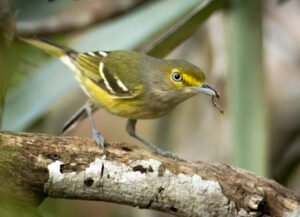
[(37, 165)]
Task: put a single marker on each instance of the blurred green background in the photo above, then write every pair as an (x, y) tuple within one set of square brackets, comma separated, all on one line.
[(249, 50)]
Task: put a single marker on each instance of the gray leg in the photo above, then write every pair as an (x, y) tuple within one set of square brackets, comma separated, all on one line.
[(96, 135), (79, 115), (131, 131)]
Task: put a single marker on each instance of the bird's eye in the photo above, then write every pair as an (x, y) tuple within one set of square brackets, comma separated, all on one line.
[(176, 76)]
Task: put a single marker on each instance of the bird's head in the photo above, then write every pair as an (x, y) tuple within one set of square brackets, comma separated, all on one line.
[(181, 79)]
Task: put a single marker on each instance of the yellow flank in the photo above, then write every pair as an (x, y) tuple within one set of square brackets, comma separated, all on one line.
[(130, 108)]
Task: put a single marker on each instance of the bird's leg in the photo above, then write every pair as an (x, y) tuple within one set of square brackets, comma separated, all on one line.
[(79, 115), (131, 131), (84, 111), (96, 135)]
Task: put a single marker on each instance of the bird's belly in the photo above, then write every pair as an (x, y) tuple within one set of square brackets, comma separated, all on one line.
[(135, 109)]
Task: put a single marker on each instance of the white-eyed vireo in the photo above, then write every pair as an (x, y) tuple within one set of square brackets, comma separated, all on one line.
[(128, 84)]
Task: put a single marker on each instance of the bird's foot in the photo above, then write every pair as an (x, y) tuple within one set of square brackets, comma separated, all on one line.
[(170, 155), (98, 138)]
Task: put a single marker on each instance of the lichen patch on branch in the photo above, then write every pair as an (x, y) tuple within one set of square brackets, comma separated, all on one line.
[(142, 183), (55, 174)]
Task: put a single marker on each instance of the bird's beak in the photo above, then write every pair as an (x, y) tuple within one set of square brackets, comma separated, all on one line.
[(205, 88)]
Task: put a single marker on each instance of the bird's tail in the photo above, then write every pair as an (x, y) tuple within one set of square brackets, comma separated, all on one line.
[(50, 47), (65, 54)]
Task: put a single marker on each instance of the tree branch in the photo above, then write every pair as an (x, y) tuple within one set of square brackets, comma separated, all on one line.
[(37, 165)]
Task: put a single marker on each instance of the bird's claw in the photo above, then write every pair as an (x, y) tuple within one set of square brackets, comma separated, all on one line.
[(170, 155), (98, 138)]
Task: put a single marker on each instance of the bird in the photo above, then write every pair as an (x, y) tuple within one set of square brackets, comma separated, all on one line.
[(129, 84)]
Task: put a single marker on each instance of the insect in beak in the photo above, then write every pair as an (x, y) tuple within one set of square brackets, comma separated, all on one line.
[(205, 88)]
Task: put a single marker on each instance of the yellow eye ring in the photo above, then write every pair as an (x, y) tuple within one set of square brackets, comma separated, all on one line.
[(176, 76)]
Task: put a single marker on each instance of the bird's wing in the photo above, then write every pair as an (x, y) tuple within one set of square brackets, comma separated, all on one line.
[(88, 64), (91, 65)]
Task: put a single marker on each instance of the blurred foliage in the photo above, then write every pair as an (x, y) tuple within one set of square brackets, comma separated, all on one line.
[(7, 19), (282, 1), (181, 30), (246, 86), (37, 10)]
